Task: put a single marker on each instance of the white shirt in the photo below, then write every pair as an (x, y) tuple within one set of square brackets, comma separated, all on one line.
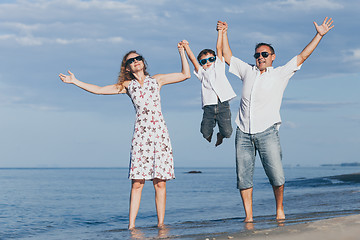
[(214, 84), (261, 94)]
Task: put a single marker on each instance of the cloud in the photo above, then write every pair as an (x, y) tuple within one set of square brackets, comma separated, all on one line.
[(15, 96), (234, 10), (289, 124), (38, 41), (352, 56), (306, 4), (255, 36), (314, 105)]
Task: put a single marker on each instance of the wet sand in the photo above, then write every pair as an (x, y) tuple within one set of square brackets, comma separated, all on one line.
[(341, 228)]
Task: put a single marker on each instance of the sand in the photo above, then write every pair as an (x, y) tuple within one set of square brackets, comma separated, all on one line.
[(341, 228)]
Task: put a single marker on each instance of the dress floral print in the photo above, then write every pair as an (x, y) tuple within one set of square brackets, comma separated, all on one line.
[(151, 152)]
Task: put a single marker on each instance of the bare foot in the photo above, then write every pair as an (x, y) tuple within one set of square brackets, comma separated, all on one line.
[(280, 215), (248, 220), (209, 138), (161, 226), (219, 139)]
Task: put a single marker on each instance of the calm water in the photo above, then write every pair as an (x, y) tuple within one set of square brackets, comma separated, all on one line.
[(93, 203)]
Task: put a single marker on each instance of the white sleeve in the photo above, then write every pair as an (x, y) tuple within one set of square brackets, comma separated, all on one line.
[(238, 67), (200, 74), (289, 68)]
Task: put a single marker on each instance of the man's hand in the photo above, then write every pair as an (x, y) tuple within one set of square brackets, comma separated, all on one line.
[(325, 26)]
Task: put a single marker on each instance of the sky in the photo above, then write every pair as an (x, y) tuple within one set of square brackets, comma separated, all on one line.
[(47, 123)]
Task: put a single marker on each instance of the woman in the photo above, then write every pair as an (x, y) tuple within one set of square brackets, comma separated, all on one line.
[(151, 153)]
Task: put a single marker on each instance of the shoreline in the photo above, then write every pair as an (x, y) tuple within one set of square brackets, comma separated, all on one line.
[(339, 228)]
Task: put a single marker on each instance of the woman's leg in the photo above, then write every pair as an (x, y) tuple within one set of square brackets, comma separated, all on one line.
[(135, 198), (160, 199)]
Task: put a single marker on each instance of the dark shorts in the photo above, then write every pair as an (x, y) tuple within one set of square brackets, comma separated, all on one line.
[(220, 114)]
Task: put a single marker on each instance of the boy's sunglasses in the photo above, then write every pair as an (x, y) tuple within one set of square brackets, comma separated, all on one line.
[(264, 54), (131, 60), (204, 61)]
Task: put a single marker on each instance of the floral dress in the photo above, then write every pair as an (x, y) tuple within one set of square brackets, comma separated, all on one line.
[(151, 152)]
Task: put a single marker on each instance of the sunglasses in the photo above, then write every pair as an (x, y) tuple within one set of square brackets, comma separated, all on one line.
[(264, 54), (204, 61), (131, 60)]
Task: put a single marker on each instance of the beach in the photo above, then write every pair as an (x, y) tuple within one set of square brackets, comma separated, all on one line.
[(341, 228)]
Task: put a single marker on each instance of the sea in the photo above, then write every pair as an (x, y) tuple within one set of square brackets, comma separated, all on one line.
[(92, 203)]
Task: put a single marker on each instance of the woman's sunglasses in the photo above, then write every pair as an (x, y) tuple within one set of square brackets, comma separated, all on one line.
[(264, 54), (131, 60), (204, 61)]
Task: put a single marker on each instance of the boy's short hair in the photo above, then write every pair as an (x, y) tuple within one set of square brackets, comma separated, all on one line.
[(205, 52), (265, 44)]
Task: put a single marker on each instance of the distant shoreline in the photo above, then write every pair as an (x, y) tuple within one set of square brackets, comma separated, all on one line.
[(354, 164)]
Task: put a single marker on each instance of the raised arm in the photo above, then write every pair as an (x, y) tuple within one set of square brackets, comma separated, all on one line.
[(191, 55), (219, 43), (110, 89), (169, 78), (226, 51), (321, 31)]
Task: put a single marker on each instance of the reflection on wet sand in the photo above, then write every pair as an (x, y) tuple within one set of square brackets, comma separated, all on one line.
[(137, 233), (163, 232), (249, 225)]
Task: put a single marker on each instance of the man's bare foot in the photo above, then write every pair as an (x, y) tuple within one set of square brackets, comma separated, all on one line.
[(219, 139), (280, 215)]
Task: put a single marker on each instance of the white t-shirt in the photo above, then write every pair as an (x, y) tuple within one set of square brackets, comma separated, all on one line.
[(214, 84), (261, 94)]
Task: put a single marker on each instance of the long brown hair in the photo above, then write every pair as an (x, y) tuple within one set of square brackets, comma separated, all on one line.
[(126, 75)]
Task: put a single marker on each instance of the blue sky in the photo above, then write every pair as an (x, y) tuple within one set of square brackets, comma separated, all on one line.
[(46, 123)]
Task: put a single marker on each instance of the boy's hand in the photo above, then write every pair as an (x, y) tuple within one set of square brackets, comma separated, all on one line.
[(184, 42)]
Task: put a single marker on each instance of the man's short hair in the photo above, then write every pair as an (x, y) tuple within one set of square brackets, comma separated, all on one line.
[(205, 52), (265, 44)]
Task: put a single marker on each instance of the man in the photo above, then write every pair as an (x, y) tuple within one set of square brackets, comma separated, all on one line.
[(258, 120)]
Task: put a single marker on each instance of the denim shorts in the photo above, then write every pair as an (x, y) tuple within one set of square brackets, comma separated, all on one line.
[(220, 114), (267, 144)]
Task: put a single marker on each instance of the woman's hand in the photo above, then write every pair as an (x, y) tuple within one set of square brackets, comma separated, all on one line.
[(67, 78)]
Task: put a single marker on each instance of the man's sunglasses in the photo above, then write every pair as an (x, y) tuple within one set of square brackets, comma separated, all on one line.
[(264, 54), (131, 60), (204, 61)]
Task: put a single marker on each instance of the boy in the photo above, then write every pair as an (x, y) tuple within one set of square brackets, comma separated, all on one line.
[(216, 91)]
